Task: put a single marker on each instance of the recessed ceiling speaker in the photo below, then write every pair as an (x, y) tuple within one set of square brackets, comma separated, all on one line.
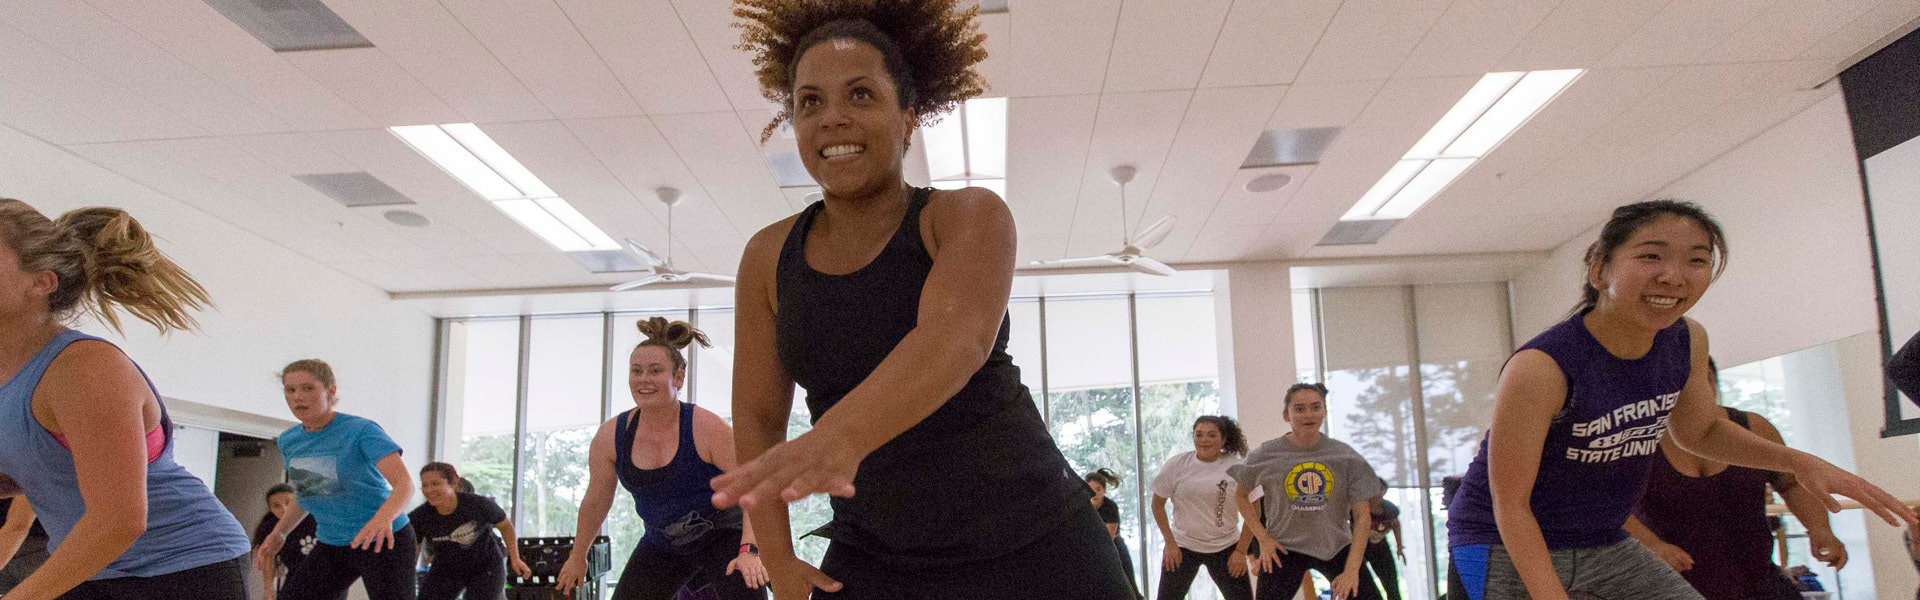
[(1269, 182), (407, 218)]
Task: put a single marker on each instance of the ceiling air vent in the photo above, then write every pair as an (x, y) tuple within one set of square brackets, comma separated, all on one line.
[(355, 189), (291, 25), (1283, 147), (607, 261), (1347, 233)]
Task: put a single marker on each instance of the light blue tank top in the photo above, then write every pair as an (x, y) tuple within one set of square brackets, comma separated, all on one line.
[(186, 526)]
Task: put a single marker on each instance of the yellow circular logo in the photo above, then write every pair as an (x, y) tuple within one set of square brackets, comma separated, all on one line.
[(1309, 479)]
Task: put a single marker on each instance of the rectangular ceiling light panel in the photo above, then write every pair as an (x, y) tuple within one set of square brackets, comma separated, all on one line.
[(969, 147), (473, 158), (1487, 115)]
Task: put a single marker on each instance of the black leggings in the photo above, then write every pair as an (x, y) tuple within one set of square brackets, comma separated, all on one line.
[(1380, 561), (330, 570), (1075, 560), (655, 574), (1175, 584), (485, 583), (225, 580), (1284, 582)]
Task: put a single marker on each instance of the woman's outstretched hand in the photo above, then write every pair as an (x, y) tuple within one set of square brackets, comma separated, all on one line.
[(814, 463)]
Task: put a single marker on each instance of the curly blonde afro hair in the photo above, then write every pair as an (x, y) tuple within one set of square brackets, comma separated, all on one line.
[(930, 47)]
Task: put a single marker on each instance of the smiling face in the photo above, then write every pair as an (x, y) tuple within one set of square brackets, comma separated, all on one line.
[(851, 130), (1207, 440), (652, 377), (436, 488), (1657, 275)]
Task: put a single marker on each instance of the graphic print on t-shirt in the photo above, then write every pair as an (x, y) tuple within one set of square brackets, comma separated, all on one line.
[(1630, 430), (465, 535), (1224, 487), (313, 476), (1307, 486)]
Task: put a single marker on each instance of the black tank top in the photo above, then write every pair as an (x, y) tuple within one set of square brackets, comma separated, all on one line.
[(1732, 553), (976, 479), (674, 500)]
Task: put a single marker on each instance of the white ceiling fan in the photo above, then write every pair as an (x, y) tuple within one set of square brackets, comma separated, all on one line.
[(1129, 254), (663, 271)]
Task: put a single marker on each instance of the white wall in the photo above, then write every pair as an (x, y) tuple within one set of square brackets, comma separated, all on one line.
[(1800, 276), (1790, 203), (1256, 348), (273, 305)]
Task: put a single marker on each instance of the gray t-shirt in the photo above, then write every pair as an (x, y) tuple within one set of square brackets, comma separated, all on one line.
[(1309, 492)]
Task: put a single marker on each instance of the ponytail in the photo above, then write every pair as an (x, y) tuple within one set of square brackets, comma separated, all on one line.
[(103, 259)]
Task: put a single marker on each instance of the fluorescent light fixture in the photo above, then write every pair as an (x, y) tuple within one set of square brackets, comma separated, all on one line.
[(560, 209), (432, 142), (1439, 173), (530, 215), (946, 148), (1383, 190), (1464, 113), (986, 120), (496, 157), (969, 147), (1491, 111), (1519, 104), (469, 155)]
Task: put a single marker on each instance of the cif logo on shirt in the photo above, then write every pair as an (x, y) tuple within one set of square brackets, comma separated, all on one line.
[(1307, 485)]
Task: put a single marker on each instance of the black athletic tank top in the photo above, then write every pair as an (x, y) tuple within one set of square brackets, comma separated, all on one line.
[(674, 500), (1733, 551), (976, 479)]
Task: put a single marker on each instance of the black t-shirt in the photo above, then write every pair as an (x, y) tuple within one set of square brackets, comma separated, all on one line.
[(465, 539), (36, 540), (300, 541), (1109, 513)]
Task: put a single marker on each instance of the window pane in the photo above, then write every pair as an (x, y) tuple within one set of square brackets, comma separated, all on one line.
[(563, 411), (1306, 349), (1090, 374), (1464, 341), (1179, 377), (1023, 342), (713, 367), (483, 379)]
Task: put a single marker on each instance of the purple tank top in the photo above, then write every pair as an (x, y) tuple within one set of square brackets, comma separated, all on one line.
[(1736, 551), (1593, 466)]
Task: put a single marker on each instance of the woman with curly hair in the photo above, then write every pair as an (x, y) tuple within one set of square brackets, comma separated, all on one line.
[(665, 452), (888, 304), (1205, 528)]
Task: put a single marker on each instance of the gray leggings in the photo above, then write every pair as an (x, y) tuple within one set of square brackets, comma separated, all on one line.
[(1624, 570)]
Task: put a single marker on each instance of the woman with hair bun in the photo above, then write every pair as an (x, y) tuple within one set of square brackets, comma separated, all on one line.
[(888, 303), (81, 425), (664, 452)]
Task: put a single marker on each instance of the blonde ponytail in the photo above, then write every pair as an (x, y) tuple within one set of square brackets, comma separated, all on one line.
[(103, 259)]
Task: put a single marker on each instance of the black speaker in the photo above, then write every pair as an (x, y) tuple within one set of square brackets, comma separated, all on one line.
[(545, 556)]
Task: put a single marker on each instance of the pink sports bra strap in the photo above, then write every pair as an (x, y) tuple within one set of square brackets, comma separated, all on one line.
[(156, 442)]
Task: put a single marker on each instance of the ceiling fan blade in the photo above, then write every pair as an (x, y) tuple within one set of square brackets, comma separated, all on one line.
[(716, 277), (642, 253), (1155, 233), (1104, 259), (643, 281), (1151, 267)]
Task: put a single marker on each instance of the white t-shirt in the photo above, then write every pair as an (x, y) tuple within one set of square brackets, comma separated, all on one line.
[(1204, 516)]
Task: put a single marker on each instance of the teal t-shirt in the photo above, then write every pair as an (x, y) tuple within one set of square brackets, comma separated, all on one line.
[(334, 475)]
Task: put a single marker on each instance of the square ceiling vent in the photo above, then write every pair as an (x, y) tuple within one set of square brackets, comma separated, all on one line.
[(1283, 147), (354, 189), (1348, 233), (291, 25), (607, 261)]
